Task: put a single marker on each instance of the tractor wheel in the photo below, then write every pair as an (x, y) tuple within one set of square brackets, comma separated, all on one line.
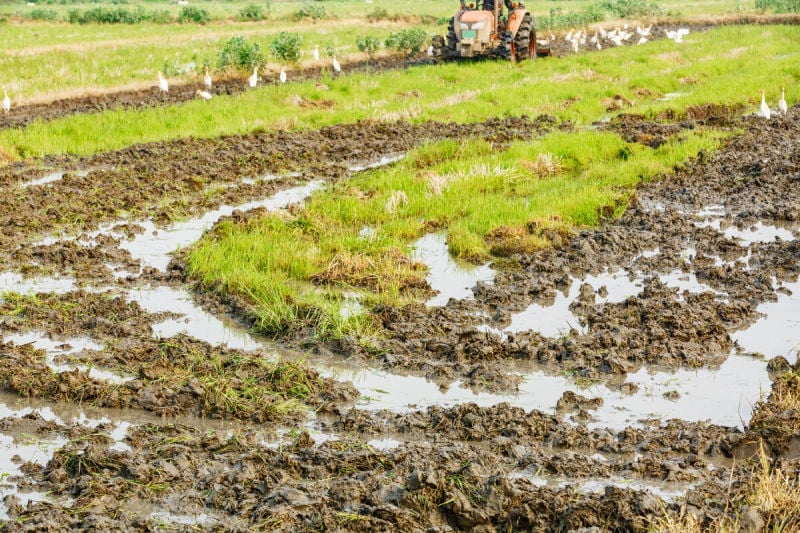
[(506, 45), (525, 40), (451, 50)]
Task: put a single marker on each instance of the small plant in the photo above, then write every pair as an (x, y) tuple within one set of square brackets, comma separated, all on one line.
[(311, 10), (408, 41), (43, 14), (379, 13), (368, 44), (286, 47), (238, 52), (779, 6), (251, 12), (198, 15)]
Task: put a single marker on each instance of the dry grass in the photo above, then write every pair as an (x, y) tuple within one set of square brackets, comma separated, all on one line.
[(396, 200), (545, 165)]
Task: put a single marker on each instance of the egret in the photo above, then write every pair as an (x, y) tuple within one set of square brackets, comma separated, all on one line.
[(163, 84), (765, 111), (336, 66), (207, 79), (781, 103), (283, 76), (6, 101), (253, 80), (205, 95), (642, 40), (430, 51), (316, 53), (568, 37), (594, 39)]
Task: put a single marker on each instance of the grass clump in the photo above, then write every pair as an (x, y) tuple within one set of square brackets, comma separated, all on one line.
[(297, 270), (779, 6), (239, 53), (311, 10), (192, 14)]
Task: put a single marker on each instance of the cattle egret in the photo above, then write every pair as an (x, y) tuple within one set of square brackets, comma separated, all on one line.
[(163, 84), (765, 111), (6, 101), (283, 76), (594, 39), (207, 79), (205, 95), (781, 103), (430, 51), (568, 37), (253, 80), (642, 40), (336, 66), (316, 53)]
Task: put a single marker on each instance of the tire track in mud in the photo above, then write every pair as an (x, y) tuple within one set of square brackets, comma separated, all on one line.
[(462, 466)]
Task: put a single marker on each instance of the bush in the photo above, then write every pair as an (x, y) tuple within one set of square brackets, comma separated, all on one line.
[(312, 10), (379, 13), (779, 6), (409, 41), (286, 47), (251, 12), (160, 16), (108, 15), (43, 14), (629, 8), (238, 52), (368, 44), (197, 15)]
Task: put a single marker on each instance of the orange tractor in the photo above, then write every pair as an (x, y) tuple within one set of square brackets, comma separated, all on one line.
[(484, 31)]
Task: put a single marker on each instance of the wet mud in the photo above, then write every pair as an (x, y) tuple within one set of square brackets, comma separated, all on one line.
[(195, 424)]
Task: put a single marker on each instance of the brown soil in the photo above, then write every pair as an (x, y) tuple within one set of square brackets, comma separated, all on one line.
[(464, 467)]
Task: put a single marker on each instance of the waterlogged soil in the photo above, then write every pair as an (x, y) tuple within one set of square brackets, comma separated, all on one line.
[(696, 256)]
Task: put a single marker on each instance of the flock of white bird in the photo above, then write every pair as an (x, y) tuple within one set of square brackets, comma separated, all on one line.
[(616, 37), (252, 80), (783, 107)]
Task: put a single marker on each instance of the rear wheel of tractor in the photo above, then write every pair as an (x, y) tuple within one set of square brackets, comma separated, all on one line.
[(452, 40), (525, 40)]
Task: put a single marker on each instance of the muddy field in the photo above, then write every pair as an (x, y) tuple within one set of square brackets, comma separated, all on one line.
[(628, 372)]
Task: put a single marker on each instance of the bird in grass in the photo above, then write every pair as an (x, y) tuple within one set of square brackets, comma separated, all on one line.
[(337, 68), (782, 103), (282, 76), (163, 84), (678, 34), (205, 95), (765, 111), (253, 80), (6, 101), (207, 79), (641, 40), (430, 51), (316, 53)]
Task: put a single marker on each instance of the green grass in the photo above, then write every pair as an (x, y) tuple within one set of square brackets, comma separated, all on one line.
[(295, 269), (707, 68)]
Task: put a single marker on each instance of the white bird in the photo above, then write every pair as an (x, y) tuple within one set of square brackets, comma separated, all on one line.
[(430, 51), (205, 95), (598, 45), (781, 103), (183, 2), (593, 40), (568, 37), (6, 101), (336, 66), (316, 53), (283, 76), (765, 111), (678, 34), (163, 84), (603, 33), (207, 79), (253, 80), (575, 46), (642, 40)]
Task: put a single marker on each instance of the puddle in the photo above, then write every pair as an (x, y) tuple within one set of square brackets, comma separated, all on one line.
[(166, 517), (55, 349), (755, 233), (778, 331), (155, 246), (384, 444), (195, 322), (382, 162), (53, 176), (669, 491), (13, 282), (450, 278)]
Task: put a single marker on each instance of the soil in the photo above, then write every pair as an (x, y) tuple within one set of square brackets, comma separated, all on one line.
[(304, 452)]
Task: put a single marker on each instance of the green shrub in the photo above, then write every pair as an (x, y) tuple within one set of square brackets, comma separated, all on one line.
[(198, 15), (108, 15), (238, 52), (160, 16), (408, 41), (251, 12), (43, 14), (379, 13), (629, 8), (286, 47), (311, 10), (368, 44), (779, 6)]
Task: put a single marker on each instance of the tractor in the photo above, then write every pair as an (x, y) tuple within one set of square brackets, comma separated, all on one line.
[(484, 31)]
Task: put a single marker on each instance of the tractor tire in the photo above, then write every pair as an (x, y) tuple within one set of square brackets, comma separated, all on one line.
[(524, 43), (506, 45), (451, 50)]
